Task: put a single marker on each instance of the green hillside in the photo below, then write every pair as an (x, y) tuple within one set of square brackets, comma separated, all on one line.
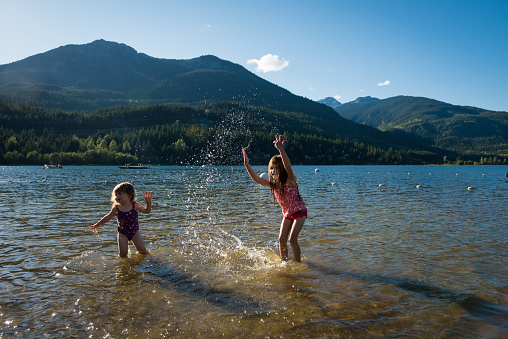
[(466, 130), (83, 103), (162, 134), (106, 74)]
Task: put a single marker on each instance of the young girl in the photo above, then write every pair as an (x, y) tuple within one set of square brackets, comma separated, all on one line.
[(125, 208), (283, 186)]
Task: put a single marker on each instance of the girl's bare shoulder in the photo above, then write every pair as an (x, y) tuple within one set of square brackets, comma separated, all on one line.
[(292, 181)]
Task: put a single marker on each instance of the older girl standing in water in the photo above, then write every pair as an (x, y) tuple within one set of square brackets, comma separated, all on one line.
[(282, 183)]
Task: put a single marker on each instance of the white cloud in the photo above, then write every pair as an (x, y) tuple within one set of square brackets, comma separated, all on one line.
[(386, 83), (337, 97), (269, 63)]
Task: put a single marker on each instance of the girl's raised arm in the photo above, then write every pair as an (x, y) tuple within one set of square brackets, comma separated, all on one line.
[(279, 144), (259, 180), (148, 199)]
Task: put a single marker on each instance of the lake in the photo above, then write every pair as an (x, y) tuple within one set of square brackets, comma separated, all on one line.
[(388, 251)]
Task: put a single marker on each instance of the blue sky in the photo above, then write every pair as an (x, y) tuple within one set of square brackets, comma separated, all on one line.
[(449, 50)]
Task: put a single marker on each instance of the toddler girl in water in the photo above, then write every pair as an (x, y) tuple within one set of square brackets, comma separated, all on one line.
[(125, 208), (283, 185)]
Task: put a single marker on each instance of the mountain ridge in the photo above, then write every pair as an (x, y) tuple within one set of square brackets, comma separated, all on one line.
[(104, 74), (122, 76), (435, 123)]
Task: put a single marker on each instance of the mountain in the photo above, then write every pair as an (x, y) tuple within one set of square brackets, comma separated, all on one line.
[(104, 74), (330, 102), (435, 123), (360, 100), (109, 79)]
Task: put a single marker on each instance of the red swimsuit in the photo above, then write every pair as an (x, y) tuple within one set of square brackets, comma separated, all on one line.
[(292, 204)]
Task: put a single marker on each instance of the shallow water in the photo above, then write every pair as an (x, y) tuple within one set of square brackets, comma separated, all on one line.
[(381, 257)]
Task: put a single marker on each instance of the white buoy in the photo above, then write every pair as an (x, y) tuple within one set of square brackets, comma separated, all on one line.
[(380, 185), (418, 186), (316, 170), (469, 188), (333, 183), (265, 176)]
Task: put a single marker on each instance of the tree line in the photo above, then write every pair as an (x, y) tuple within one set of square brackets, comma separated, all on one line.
[(182, 135)]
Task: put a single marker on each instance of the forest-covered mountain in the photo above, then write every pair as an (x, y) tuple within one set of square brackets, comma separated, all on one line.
[(105, 74), (103, 102), (459, 128), (162, 134)]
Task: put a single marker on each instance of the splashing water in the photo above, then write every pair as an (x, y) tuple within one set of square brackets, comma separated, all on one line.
[(387, 262), (98, 236)]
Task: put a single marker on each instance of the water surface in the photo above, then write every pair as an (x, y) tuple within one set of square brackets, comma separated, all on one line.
[(381, 256)]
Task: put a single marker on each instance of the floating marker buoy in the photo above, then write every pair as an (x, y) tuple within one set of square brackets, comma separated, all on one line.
[(265, 176), (333, 183), (469, 188), (380, 185), (418, 186), (316, 170)]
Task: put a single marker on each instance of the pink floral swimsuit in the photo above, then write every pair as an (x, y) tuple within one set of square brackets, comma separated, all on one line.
[(291, 202), (127, 222)]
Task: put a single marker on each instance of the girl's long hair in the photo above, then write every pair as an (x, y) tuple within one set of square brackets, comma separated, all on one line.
[(277, 183), (125, 187)]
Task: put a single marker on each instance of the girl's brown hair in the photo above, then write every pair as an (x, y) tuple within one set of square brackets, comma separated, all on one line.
[(277, 183), (124, 187)]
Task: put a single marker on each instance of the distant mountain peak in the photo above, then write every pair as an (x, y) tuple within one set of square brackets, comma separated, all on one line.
[(361, 100), (329, 101)]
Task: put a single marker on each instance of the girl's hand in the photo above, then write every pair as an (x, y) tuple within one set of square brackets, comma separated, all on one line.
[(279, 143), (245, 158), (148, 197), (93, 228)]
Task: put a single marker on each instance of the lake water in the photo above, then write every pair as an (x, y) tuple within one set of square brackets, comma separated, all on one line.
[(381, 257)]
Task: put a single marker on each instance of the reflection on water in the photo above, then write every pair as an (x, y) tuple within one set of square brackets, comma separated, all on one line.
[(381, 256)]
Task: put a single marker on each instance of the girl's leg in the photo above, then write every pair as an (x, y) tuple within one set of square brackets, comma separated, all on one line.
[(138, 242), (123, 245), (293, 238), (285, 228)]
